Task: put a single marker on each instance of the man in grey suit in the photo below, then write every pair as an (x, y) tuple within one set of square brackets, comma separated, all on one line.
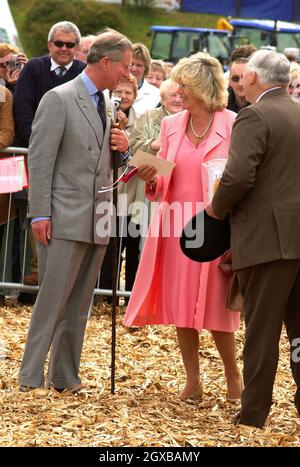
[(69, 161), (260, 189)]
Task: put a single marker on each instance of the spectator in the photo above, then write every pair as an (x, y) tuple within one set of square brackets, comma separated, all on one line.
[(6, 138), (158, 73), (127, 91), (237, 97), (44, 73), (245, 51), (148, 95), (294, 85), (84, 47), (12, 62), (145, 133)]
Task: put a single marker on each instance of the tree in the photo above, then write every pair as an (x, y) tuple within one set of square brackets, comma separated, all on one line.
[(88, 15)]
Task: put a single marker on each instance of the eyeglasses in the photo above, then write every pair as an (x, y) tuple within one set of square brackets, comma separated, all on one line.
[(60, 44), (236, 78), (4, 64)]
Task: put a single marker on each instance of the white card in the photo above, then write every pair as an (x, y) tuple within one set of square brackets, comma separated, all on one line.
[(162, 166)]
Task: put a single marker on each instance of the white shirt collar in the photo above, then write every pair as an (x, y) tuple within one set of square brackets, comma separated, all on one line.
[(265, 92), (55, 65)]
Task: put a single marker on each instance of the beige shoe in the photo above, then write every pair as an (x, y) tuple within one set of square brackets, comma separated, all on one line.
[(236, 399)]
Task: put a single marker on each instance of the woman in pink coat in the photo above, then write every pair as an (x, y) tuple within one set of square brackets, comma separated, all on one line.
[(169, 288)]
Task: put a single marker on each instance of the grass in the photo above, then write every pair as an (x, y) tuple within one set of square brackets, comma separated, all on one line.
[(137, 21)]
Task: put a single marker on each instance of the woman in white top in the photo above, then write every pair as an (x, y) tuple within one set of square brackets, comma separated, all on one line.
[(148, 96)]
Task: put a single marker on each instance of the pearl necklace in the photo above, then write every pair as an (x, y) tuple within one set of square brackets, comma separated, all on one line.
[(206, 129)]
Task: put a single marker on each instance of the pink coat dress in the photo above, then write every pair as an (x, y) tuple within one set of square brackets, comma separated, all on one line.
[(169, 288)]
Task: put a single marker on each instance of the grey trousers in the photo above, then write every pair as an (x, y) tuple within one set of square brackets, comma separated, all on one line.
[(272, 297), (67, 275)]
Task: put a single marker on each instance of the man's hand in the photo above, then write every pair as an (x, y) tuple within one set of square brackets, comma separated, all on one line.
[(118, 140), (209, 210), (42, 231), (226, 263)]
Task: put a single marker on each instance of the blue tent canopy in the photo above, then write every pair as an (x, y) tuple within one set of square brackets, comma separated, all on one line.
[(285, 10)]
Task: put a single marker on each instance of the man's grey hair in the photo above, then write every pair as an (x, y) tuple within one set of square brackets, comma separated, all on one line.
[(67, 27), (271, 67), (109, 43)]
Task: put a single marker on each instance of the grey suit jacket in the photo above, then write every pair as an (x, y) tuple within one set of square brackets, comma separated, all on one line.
[(69, 161), (260, 186)]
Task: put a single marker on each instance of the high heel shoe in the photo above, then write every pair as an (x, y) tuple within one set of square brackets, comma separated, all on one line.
[(194, 396)]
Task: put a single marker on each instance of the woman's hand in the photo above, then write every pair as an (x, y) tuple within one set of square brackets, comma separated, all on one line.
[(147, 173), (13, 76), (155, 145), (122, 119)]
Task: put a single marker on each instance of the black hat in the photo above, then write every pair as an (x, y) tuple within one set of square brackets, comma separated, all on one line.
[(215, 236)]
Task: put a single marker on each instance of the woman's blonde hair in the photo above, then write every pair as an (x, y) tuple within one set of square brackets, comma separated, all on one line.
[(159, 65), (6, 49), (141, 52), (294, 71), (205, 77)]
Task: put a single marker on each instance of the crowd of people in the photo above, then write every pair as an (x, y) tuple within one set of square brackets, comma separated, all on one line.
[(61, 107)]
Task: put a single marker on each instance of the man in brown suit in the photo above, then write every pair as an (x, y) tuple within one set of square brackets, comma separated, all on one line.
[(260, 189)]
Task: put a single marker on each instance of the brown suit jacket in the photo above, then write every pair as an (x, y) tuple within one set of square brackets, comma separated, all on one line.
[(7, 132), (260, 186)]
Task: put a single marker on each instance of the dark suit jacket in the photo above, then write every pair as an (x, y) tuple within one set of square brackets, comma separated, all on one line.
[(35, 80), (260, 186)]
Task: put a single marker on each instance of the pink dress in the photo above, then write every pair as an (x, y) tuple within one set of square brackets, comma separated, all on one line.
[(182, 292)]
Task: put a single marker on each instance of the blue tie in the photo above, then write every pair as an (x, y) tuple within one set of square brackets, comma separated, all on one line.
[(101, 109)]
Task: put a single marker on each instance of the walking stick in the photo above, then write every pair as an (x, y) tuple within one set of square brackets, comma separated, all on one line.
[(115, 254)]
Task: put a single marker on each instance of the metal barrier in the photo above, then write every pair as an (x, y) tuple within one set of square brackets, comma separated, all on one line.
[(20, 286)]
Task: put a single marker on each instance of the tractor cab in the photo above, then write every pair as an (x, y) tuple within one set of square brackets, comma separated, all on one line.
[(266, 33), (171, 43)]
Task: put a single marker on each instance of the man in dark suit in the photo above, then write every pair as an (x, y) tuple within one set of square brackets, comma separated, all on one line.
[(38, 76), (69, 161), (261, 191)]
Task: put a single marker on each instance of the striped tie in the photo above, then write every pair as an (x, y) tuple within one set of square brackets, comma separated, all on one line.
[(60, 71)]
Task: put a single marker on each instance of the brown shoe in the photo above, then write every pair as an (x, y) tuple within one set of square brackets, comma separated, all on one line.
[(31, 279), (2, 300)]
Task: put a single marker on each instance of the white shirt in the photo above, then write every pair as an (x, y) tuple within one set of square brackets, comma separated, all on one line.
[(55, 65), (265, 92), (148, 97)]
